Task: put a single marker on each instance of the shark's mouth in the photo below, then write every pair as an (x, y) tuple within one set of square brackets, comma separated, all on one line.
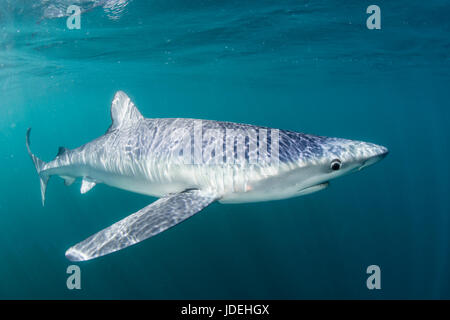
[(314, 188), (372, 160)]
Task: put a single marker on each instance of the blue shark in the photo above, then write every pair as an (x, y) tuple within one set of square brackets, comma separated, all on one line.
[(189, 164)]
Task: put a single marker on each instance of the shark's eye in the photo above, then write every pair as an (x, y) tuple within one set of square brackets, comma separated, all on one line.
[(335, 164)]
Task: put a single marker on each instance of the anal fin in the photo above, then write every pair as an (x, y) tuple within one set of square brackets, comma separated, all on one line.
[(87, 185)]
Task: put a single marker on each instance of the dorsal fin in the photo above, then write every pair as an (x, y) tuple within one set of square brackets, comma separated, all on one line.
[(61, 151), (123, 111)]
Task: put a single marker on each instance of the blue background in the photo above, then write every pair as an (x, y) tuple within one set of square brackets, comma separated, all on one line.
[(308, 66)]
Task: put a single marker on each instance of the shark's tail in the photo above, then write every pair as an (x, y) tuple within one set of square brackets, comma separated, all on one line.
[(39, 164)]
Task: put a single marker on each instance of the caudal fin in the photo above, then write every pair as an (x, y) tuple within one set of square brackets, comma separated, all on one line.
[(39, 164)]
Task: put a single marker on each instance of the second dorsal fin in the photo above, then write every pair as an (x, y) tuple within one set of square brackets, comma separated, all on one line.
[(61, 151), (123, 111)]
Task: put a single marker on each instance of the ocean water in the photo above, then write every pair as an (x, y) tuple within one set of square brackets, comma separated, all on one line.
[(308, 66)]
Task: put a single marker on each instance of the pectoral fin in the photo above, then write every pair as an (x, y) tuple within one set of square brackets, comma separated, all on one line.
[(147, 222)]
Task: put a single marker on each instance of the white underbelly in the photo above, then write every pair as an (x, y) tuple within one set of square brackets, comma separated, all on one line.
[(232, 184)]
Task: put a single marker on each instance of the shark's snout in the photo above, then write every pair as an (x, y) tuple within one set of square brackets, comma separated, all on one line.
[(375, 153), (383, 152)]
